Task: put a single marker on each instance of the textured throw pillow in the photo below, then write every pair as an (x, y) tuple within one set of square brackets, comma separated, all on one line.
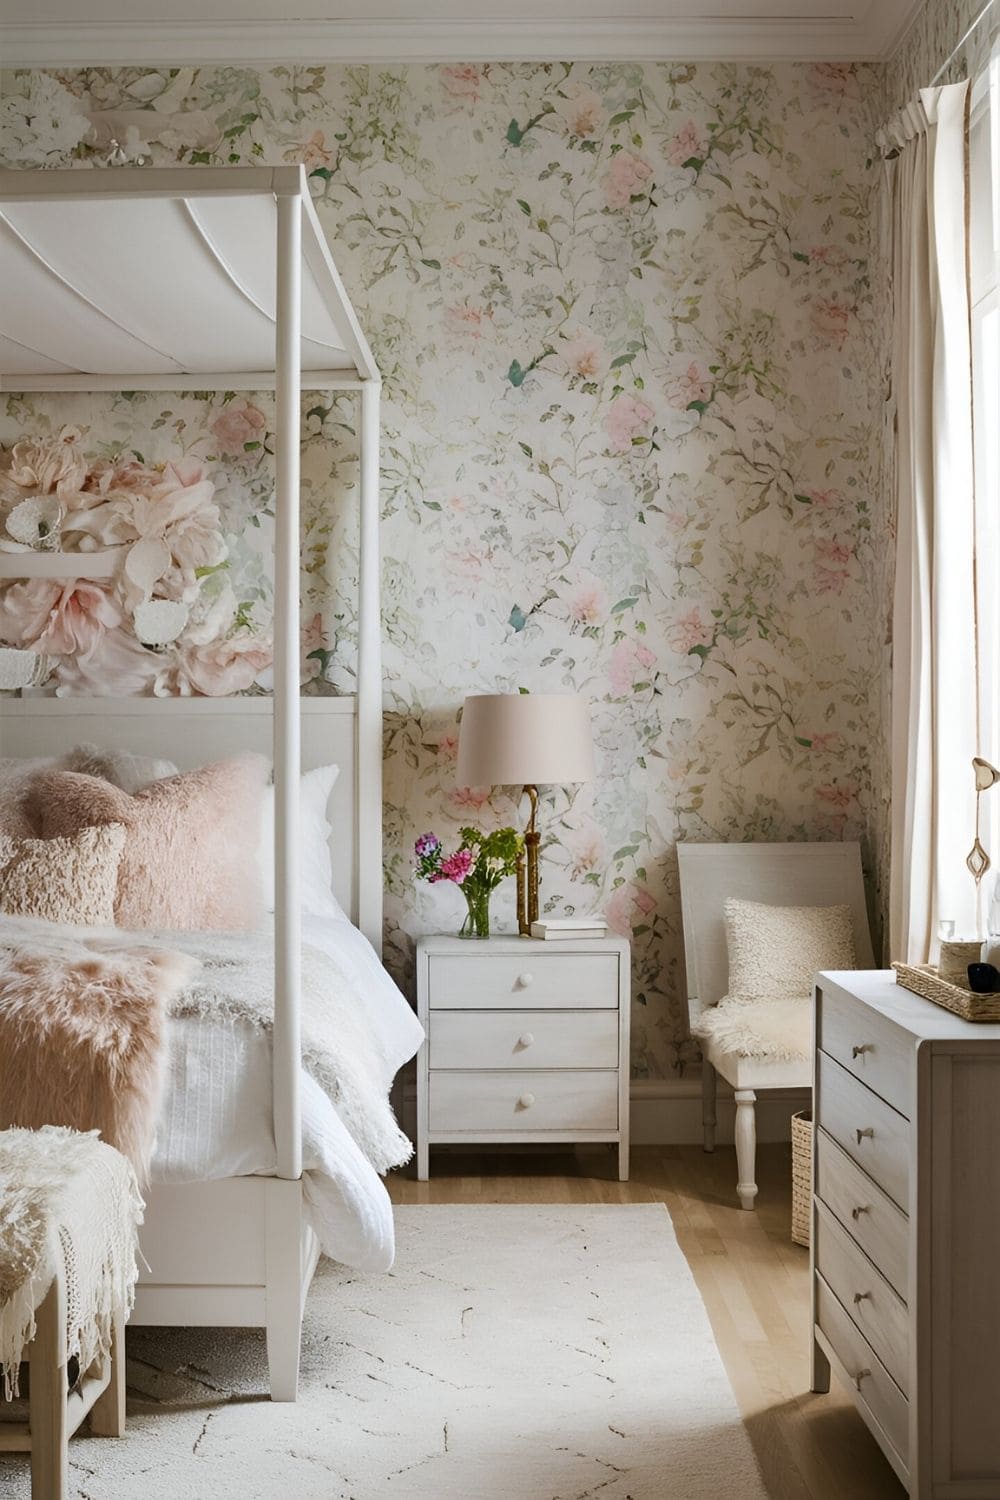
[(190, 856), (316, 868), (775, 951), (72, 880)]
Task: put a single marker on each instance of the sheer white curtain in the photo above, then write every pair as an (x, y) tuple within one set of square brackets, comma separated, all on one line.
[(935, 679)]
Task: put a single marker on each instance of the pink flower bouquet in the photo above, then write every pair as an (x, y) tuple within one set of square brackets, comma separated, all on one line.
[(477, 866)]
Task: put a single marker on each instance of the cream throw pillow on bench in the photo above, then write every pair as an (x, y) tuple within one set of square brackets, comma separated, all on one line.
[(71, 880), (775, 951)]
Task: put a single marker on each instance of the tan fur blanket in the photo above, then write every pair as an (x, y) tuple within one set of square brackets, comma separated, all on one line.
[(83, 1036)]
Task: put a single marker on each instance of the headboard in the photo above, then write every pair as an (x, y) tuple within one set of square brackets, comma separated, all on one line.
[(773, 874), (192, 731)]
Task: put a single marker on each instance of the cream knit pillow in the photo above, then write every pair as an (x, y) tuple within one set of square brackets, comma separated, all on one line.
[(72, 880), (775, 951)]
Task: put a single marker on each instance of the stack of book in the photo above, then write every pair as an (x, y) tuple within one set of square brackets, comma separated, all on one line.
[(569, 929)]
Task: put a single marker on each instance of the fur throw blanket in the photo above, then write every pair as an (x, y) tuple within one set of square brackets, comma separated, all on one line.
[(779, 1030), (82, 1032), (55, 1185), (230, 977)]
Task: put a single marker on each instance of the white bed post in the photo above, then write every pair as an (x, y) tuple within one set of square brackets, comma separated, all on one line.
[(369, 740), (283, 1291)]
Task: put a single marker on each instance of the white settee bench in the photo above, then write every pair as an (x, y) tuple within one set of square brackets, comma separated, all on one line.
[(69, 1215)]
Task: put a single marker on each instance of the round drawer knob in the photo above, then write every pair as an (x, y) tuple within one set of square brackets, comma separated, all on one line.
[(525, 979), (526, 1038), (526, 1101)]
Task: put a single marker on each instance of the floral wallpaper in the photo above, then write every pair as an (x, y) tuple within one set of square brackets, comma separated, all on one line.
[(629, 334)]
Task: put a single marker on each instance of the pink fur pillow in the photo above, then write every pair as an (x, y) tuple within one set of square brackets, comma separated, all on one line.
[(190, 857)]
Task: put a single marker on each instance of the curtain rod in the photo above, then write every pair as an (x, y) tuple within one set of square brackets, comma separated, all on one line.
[(972, 29)]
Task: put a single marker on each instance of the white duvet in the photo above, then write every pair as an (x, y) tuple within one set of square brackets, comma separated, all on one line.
[(216, 1118)]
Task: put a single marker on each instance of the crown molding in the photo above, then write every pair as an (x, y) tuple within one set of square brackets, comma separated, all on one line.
[(871, 38)]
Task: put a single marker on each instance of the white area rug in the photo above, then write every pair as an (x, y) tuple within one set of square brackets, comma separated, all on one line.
[(515, 1353)]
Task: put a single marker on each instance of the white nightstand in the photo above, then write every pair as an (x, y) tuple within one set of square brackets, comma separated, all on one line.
[(525, 1041)]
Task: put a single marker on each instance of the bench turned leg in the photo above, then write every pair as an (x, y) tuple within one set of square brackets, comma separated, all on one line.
[(107, 1415), (47, 1399), (746, 1147)]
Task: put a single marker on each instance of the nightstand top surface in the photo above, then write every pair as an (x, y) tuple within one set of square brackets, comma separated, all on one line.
[(512, 943)]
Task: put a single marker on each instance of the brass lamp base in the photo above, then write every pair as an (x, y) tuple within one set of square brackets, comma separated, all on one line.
[(527, 870)]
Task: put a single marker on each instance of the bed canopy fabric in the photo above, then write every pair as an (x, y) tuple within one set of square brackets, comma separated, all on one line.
[(148, 276), (213, 278)]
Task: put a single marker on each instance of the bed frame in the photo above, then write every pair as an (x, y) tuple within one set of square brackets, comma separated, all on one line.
[(237, 1252)]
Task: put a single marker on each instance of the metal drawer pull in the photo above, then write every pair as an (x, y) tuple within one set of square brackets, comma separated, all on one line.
[(525, 979), (861, 1375), (868, 1131), (860, 1051), (526, 1101), (526, 1038), (861, 1297), (862, 1208)]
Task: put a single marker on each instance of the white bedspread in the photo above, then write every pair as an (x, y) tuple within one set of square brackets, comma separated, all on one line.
[(216, 1119)]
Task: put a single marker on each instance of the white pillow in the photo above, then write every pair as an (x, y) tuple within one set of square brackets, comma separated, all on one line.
[(775, 951), (316, 870), (128, 772)]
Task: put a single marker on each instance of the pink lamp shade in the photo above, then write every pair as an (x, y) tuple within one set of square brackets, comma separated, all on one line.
[(524, 739)]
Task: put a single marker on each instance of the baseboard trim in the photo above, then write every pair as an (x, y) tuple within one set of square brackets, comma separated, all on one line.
[(667, 1111)]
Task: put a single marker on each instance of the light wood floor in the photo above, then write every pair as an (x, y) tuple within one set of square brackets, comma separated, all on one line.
[(754, 1281)]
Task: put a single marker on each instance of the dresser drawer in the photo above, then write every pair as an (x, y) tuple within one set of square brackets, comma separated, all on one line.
[(881, 1055), (869, 1299), (524, 1039), (875, 1135), (871, 1218), (515, 1101), (507, 982), (871, 1382)]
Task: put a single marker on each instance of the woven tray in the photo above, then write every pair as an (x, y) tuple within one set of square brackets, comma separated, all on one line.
[(923, 980), (802, 1140)]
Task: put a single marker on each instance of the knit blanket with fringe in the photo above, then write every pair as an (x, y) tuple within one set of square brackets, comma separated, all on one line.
[(69, 1204)]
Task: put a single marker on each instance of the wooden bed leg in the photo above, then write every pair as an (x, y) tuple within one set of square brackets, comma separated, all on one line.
[(107, 1415), (47, 1402), (284, 1291)]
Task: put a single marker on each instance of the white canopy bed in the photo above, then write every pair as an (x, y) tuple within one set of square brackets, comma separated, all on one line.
[(197, 279)]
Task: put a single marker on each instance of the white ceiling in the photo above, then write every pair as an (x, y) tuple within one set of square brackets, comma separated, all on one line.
[(62, 32)]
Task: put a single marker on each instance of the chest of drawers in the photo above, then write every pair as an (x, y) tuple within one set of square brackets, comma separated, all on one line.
[(524, 1041), (906, 1229)]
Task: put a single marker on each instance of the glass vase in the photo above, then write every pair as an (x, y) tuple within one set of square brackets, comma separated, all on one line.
[(477, 918)]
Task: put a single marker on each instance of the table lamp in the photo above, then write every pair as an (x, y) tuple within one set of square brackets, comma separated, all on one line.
[(526, 740)]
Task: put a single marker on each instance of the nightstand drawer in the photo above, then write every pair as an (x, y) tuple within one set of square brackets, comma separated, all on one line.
[(512, 1101), (872, 1133), (524, 1039), (538, 980), (880, 1055)]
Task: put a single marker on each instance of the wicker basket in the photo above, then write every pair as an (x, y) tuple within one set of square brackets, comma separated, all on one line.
[(924, 981), (802, 1153)]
